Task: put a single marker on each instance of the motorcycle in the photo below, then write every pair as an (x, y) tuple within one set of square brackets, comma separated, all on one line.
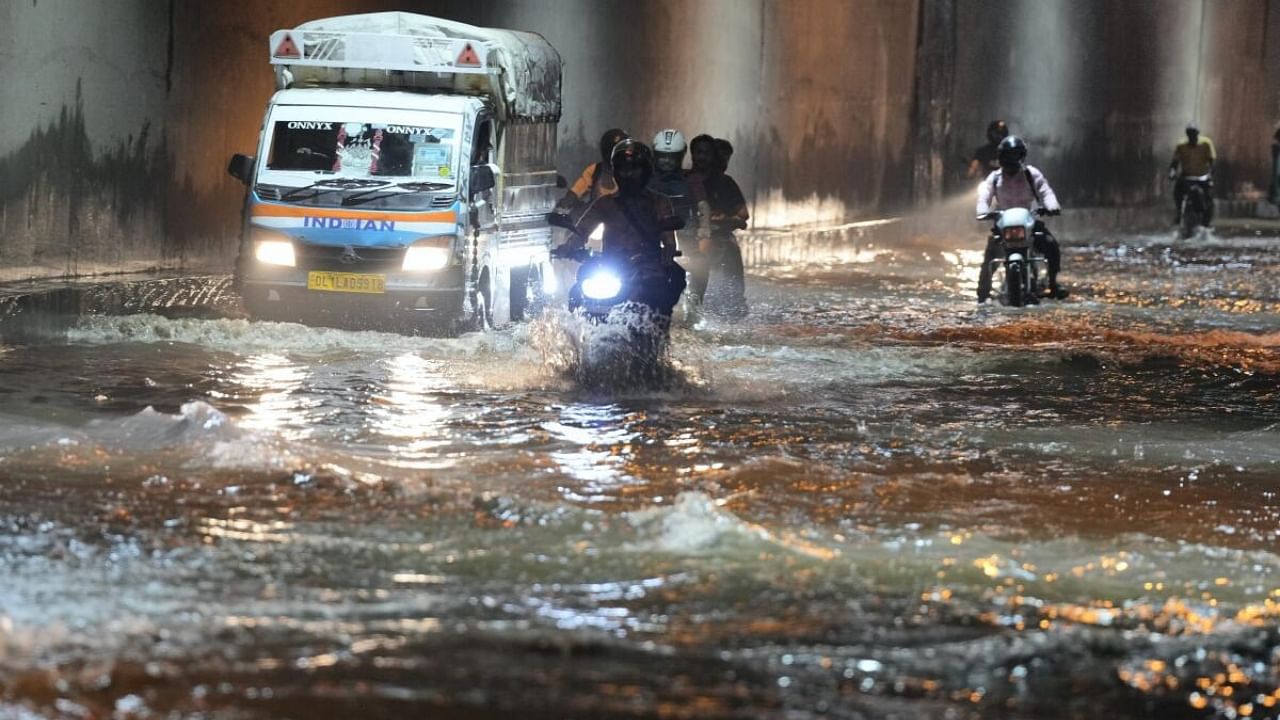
[(626, 304), (1195, 204), (1026, 272)]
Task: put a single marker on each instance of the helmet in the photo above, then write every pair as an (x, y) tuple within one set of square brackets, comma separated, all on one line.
[(669, 141), (609, 139), (668, 150), (1192, 128), (632, 165), (997, 131), (1011, 152)]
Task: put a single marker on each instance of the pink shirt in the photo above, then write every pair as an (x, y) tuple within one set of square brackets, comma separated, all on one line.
[(1001, 192)]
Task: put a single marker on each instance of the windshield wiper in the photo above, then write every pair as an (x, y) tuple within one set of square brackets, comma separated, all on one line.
[(409, 187), (332, 184)]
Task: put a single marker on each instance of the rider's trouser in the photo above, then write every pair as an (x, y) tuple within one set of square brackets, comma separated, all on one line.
[(1041, 239)]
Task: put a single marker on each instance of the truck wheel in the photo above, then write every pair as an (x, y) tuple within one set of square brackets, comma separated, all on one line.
[(526, 292)]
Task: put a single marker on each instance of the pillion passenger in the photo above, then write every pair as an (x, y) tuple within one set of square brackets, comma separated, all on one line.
[(718, 278), (687, 198), (1018, 185), (597, 179)]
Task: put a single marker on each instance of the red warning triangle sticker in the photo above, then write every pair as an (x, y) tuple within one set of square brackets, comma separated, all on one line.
[(287, 48), (468, 57)]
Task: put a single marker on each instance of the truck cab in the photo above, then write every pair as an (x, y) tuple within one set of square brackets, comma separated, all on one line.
[(403, 172)]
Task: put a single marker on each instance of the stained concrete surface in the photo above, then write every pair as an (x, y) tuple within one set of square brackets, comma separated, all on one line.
[(123, 116)]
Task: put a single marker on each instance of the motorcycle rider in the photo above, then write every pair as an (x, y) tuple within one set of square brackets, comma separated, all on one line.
[(686, 197), (1193, 158), (727, 212), (1017, 184), (597, 178), (631, 219), (669, 178), (985, 158)]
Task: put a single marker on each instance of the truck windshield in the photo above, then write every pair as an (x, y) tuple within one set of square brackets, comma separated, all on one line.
[(357, 149)]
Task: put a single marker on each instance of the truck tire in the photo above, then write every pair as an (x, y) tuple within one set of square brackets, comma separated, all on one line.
[(526, 292)]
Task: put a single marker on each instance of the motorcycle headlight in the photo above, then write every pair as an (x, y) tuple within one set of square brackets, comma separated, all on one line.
[(1015, 233), (601, 285), (274, 252), (426, 256)]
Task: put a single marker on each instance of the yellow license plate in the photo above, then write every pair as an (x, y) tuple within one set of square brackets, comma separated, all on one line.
[(346, 282)]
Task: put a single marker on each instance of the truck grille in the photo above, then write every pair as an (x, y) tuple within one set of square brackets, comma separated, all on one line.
[(349, 259)]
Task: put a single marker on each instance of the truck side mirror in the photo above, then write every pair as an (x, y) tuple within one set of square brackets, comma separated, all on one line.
[(241, 167), (482, 178)]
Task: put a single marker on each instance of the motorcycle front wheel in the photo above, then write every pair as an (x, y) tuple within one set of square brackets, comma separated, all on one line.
[(1015, 283), (1192, 219)]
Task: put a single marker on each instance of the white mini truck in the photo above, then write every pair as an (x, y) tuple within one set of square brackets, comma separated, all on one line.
[(404, 170)]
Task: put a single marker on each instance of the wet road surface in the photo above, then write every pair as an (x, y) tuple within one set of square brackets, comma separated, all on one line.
[(871, 499)]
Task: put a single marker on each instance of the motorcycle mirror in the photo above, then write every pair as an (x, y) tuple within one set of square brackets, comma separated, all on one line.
[(671, 223)]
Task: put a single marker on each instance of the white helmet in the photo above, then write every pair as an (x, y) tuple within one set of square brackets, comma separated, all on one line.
[(669, 141)]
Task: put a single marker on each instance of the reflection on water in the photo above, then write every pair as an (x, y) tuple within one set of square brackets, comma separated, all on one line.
[(870, 499), (278, 406), (600, 451), (409, 411)]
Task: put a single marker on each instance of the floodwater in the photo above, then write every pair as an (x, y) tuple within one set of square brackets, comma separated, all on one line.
[(871, 499)]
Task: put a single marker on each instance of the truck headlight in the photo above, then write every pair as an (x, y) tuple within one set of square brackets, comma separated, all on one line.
[(425, 257), (274, 252)]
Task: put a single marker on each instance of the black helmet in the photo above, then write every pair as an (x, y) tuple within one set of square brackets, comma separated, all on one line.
[(1011, 152), (609, 139), (997, 131), (632, 165)]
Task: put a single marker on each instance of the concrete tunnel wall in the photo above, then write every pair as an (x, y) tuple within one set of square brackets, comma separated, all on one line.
[(125, 113), (1102, 91)]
